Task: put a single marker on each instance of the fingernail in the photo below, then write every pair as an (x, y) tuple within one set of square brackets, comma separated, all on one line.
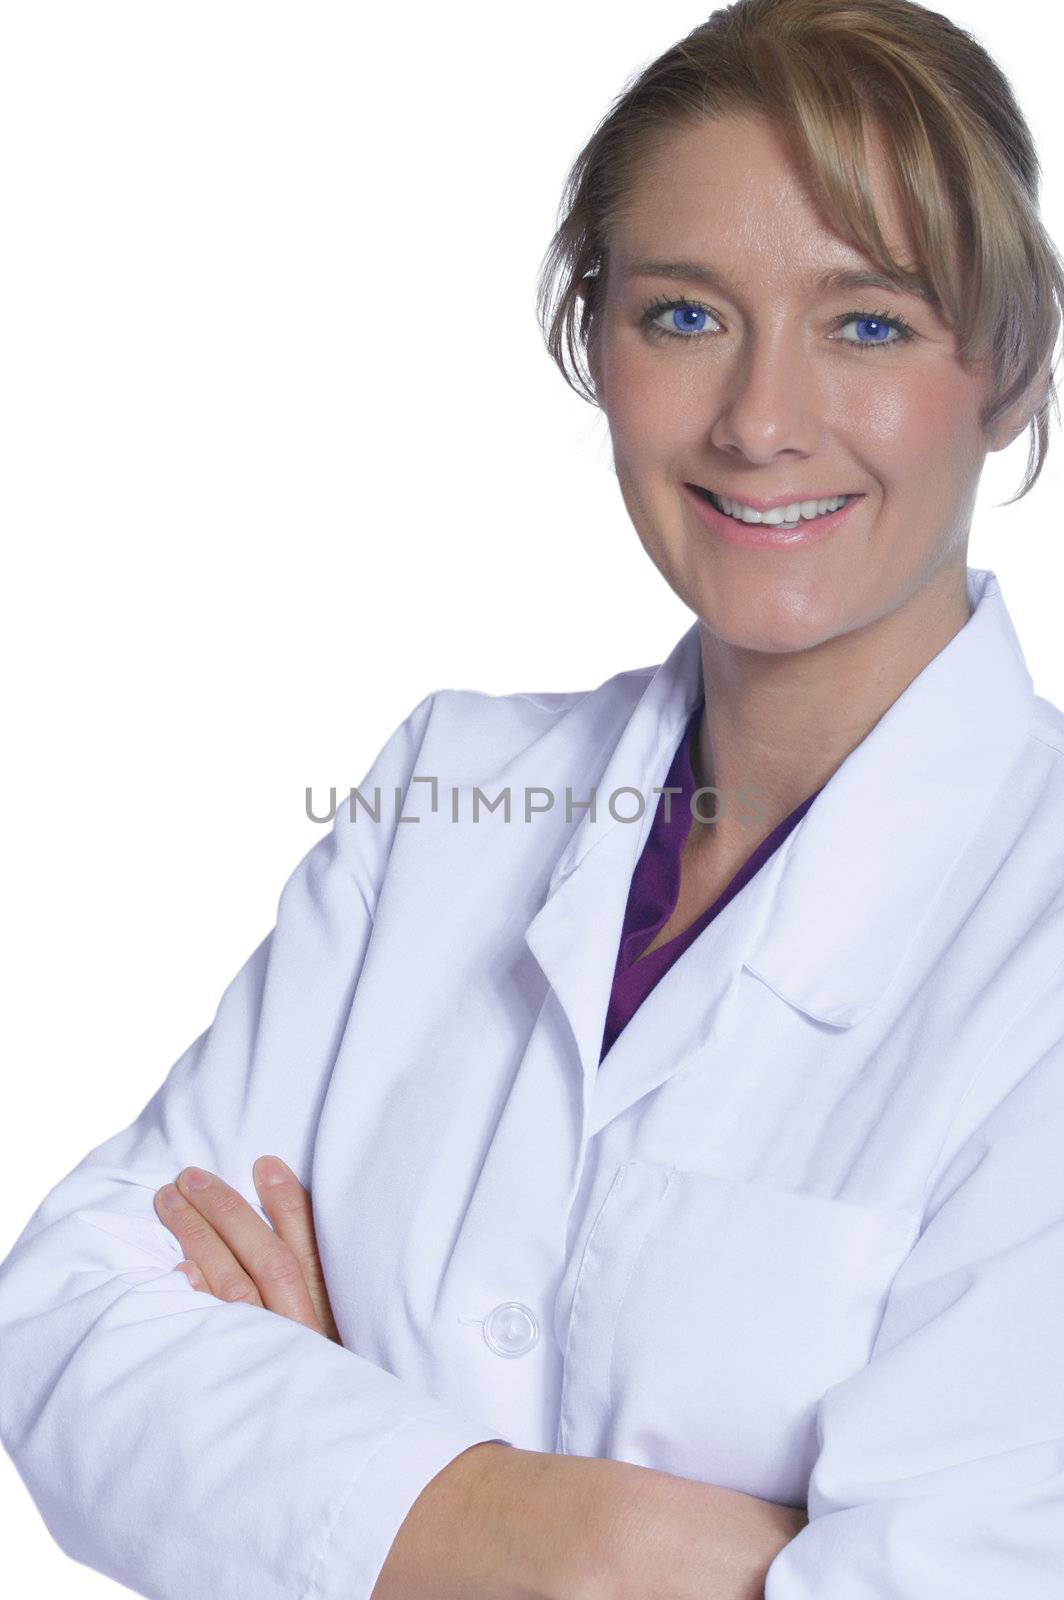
[(192, 1273), (171, 1199), (194, 1178), (271, 1170)]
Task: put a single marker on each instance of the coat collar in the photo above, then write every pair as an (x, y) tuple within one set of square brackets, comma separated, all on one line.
[(827, 921), (869, 856)]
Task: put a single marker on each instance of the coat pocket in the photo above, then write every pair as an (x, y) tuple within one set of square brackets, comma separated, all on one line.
[(712, 1315)]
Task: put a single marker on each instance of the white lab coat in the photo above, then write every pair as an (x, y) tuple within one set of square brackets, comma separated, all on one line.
[(802, 1235)]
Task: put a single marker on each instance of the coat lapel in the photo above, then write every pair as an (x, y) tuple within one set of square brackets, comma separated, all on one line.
[(576, 933)]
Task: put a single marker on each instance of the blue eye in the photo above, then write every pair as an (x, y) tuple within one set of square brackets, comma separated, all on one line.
[(877, 325), (684, 319), (688, 323)]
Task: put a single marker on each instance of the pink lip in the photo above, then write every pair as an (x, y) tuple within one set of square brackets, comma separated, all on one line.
[(761, 536)]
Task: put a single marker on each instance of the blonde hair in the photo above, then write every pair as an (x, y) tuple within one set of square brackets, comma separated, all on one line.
[(956, 144)]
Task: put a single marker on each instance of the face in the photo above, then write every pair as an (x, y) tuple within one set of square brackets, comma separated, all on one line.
[(762, 384)]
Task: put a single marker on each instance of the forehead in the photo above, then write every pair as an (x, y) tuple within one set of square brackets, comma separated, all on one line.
[(728, 190)]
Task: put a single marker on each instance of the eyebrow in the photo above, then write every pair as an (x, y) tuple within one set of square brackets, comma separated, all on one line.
[(840, 278)]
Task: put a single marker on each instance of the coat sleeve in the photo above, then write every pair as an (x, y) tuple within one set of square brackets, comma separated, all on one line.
[(940, 1469), (182, 1445)]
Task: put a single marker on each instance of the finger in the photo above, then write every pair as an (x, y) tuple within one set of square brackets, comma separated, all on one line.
[(193, 1274), (225, 1229), (288, 1206), (221, 1272)]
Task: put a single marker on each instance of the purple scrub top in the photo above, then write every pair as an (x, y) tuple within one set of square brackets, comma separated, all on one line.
[(655, 888)]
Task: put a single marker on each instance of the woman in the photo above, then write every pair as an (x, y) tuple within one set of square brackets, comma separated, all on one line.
[(683, 1165)]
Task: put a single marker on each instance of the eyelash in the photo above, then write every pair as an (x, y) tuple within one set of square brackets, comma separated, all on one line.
[(656, 307)]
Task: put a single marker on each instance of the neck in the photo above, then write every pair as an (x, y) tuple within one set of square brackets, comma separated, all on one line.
[(777, 725)]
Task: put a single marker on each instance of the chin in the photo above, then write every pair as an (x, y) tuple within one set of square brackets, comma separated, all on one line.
[(776, 623)]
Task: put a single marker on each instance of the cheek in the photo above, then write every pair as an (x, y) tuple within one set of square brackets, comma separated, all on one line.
[(918, 433), (653, 409)]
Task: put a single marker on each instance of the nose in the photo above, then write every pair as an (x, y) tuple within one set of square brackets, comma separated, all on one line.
[(766, 403)]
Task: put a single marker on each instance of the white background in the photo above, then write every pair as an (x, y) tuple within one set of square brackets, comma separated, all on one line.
[(283, 451)]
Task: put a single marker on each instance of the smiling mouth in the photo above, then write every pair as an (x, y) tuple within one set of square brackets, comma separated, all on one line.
[(788, 516)]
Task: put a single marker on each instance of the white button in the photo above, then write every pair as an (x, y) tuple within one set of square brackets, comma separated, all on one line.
[(511, 1329)]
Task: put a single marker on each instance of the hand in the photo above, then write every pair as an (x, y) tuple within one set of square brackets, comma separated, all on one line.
[(233, 1254), (501, 1523), (498, 1523), (682, 1539)]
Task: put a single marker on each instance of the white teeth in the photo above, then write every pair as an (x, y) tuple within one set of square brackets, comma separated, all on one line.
[(779, 515)]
